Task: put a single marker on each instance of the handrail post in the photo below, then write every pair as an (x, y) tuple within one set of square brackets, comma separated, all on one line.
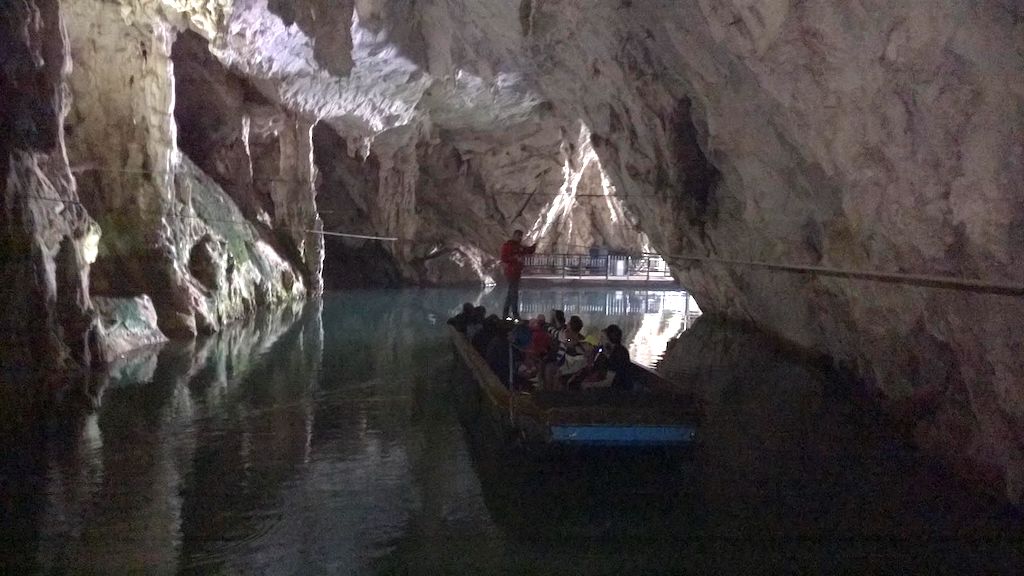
[(648, 267), (563, 266), (686, 313), (607, 266)]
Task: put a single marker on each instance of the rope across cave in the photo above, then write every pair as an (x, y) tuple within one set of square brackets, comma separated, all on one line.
[(925, 280)]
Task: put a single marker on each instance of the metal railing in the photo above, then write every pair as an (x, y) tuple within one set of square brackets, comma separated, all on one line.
[(620, 267)]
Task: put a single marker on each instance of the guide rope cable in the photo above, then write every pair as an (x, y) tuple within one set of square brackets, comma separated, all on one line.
[(926, 280), (538, 193), (164, 214)]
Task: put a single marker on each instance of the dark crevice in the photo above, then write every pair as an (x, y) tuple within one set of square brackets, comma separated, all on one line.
[(696, 177), (525, 15), (345, 187)]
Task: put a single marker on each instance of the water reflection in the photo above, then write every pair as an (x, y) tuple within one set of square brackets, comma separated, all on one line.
[(109, 489), (326, 439), (649, 318)]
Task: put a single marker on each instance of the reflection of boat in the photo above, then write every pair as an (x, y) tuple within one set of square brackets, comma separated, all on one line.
[(653, 414)]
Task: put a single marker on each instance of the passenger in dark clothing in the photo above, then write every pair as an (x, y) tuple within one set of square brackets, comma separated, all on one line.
[(498, 356), (476, 321), (612, 366), (505, 353), (484, 336), (461, 320), (618, 359)]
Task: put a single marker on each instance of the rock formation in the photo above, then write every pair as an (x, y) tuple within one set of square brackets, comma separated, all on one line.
[(196, 236), (451, 158), (46, 237), (135, 221), (863, 135)]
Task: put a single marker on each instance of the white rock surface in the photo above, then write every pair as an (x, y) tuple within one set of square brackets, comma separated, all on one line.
[(157, 212)]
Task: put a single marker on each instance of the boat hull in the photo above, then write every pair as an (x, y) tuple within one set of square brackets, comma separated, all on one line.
[(649, 417)]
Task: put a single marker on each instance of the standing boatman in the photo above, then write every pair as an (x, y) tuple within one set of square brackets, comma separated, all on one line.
[(512, 252)]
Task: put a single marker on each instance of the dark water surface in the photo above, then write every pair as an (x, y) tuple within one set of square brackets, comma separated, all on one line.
[(341, 438)]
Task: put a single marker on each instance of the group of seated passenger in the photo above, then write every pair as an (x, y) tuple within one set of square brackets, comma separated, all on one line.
[(553, 355), (490, 336), (576, 361)]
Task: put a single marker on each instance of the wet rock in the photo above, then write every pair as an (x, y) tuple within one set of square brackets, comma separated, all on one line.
[(136, 367), (256, 151), (207, 263), (127, 324), (45, 310)]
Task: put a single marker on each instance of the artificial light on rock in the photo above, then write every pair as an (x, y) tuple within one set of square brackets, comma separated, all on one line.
[(91, 245)]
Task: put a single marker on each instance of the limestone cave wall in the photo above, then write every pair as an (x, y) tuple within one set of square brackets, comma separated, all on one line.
[(209, 239), (46, 315), (452, 197), (460, 156), (867, 136), (112, 237)]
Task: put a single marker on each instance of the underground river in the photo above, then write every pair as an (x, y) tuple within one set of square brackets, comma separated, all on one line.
[(337, 438)]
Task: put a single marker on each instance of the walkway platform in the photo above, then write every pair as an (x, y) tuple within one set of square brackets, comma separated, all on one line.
[(659, 282), (642, 270)]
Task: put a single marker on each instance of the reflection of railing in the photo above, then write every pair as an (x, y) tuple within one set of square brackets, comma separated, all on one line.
[(609, 304), (626, 267)]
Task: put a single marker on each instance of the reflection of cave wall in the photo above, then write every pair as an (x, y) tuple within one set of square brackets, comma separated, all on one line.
[(156, 456)]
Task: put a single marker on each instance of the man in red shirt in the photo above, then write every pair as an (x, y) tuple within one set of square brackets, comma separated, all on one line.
[(512, 252)]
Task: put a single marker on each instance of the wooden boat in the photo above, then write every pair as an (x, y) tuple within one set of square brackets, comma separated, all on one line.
[(655, 413)]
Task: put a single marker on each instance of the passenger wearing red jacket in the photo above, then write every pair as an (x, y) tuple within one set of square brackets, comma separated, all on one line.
[(512, 252)]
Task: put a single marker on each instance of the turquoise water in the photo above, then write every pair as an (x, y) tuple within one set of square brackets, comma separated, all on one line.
[(339, 438)]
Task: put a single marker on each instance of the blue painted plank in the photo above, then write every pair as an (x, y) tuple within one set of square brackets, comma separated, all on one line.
[(623, 435)]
